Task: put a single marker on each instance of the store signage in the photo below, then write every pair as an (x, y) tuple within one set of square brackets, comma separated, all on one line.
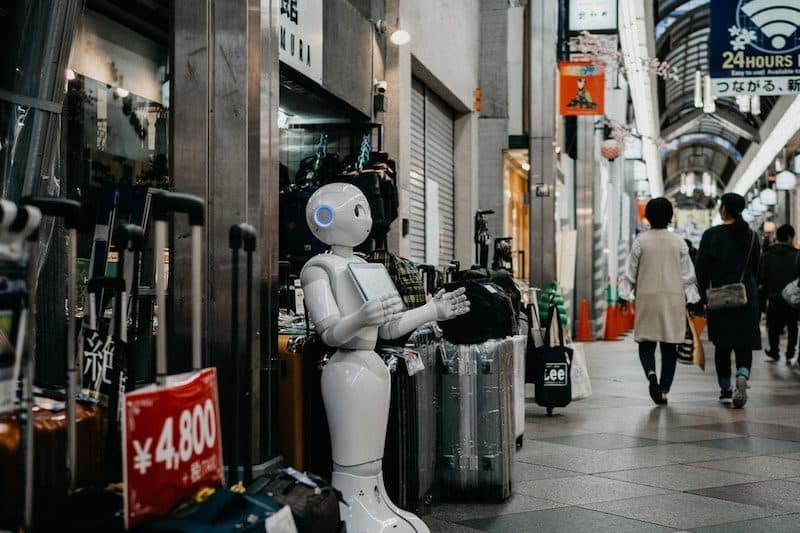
[(592, 15), (582, 88), (754, 47), (301, 37), (172, 445)]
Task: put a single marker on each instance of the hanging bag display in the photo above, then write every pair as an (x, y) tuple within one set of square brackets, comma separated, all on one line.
[(552, 368), (732, 295)]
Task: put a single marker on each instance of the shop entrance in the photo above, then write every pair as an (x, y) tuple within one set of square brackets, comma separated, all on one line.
[(516, 208)]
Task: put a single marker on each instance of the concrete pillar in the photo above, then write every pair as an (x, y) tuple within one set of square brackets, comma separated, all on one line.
[(584, 208), (225, 139), (542, 28)]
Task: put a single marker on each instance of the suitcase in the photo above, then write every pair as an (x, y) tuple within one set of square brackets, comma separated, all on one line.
[(476, 443), (291, 394), (410, 451), (520, 345)]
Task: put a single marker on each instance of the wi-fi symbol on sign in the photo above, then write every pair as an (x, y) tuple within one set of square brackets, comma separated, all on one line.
[(777, 20)]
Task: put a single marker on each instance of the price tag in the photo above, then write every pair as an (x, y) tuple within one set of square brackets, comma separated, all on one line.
[(171, 444)]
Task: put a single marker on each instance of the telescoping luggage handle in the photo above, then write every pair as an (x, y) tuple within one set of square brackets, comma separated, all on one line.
[(242, 236), (70, 212), (162, 205), (21, 223), (130, 238)]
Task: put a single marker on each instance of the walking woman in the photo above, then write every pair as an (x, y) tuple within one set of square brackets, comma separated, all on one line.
[(660, 277), (728, 258)]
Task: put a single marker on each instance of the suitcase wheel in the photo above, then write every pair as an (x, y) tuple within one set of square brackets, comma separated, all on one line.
[(549, 411), (520, 440)]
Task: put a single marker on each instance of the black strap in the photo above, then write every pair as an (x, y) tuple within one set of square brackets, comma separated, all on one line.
[(749, 253), (553, 312)]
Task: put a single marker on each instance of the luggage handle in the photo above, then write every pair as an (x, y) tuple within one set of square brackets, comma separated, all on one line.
[(129, 238), (24, 221), (162, 204), (95, 288), (71, 212), (242, 236)]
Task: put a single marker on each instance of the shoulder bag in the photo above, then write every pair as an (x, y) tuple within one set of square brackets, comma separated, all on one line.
[(732, 295)]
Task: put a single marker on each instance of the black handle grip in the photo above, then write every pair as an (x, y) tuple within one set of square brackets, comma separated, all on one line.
[(69, 210), (242, 234), (96, 285), (130, 237), (165, 203)]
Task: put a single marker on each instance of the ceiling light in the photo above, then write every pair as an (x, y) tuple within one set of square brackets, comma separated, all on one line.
[(70, 74), (756, 206), (755, 104), (526, 166), (397, 36), (122, 93), (698, 89), (786, 181), (709, 106), (748, 216)]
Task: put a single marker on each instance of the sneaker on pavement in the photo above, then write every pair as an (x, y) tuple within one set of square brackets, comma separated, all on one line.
[(725, 397), (740, 394)]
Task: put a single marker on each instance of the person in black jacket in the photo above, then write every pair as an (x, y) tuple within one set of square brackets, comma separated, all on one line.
[(729, 253), (779, 266)]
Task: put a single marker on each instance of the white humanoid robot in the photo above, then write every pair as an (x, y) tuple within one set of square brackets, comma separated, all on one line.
[(355, 383)]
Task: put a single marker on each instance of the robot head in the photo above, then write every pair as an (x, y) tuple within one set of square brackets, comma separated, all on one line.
[(338, 215)]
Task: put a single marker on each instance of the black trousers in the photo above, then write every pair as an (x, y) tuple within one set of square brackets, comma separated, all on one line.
[(669, 360), (780, 315)]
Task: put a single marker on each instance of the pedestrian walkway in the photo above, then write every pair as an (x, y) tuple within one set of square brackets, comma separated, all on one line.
[(618, 463)]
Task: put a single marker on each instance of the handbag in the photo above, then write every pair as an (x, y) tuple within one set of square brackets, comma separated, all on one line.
[(731, 295), (552, 369), (579, 374), (791, 293)]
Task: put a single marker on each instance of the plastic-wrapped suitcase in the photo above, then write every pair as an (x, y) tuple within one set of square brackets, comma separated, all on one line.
[(520, 345), (291, 395), (410, 449), (475, 451)]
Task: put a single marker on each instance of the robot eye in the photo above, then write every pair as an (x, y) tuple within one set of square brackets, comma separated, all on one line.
[(323, 216)]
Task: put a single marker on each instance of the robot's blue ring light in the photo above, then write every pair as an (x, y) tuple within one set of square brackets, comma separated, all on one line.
[(323, 216)]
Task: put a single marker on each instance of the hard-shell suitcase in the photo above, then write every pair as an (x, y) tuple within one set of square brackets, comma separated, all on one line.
[(291, 398), (476, 444), (520, 345)]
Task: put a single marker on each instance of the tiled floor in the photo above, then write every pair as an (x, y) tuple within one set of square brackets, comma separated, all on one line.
[(617, 463)]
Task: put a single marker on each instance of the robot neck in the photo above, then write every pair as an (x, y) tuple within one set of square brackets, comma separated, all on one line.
[(342, 251)]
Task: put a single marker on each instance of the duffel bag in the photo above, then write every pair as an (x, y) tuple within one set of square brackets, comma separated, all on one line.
[(313, 501), (491, 314)]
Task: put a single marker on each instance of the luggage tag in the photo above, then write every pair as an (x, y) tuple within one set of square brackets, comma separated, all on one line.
[(414, 364), (281, 522)]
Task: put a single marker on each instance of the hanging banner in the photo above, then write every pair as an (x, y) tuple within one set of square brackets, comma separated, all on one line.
[(301, 37), (754, 47), (582, 89)]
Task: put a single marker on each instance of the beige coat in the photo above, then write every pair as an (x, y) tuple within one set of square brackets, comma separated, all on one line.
[(660, 277)]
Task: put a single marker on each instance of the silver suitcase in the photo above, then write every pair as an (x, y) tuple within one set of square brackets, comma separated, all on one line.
[(476, 429)]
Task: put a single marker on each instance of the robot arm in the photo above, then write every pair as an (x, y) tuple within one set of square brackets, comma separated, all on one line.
[(334, 329), (443, 306)]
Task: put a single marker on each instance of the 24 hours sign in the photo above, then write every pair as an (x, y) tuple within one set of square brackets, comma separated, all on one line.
[(754, 47)]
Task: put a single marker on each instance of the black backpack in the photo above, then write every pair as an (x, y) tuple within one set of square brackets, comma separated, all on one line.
[(491, 314), (501, 278)]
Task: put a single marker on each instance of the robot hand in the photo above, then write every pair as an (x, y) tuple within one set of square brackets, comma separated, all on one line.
[(381, 311), (450, 304)]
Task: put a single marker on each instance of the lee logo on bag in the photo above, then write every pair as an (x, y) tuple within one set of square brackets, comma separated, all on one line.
[(555, 374)]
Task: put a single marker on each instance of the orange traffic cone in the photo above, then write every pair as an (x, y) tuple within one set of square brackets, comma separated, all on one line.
[(584, 329), (612, 323)]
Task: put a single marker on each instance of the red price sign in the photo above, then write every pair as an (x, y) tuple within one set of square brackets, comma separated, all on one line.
[(171, 444)]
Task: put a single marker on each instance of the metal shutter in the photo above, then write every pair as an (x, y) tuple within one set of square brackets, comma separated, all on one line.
[(432, 147), (416, 185), (440, 167)]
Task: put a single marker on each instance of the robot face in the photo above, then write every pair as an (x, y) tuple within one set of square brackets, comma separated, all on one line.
[(338, 215)]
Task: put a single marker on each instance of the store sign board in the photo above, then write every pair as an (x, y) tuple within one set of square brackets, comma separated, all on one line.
[(582, 89), (301, 37), (754, 47), (592, 15)]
